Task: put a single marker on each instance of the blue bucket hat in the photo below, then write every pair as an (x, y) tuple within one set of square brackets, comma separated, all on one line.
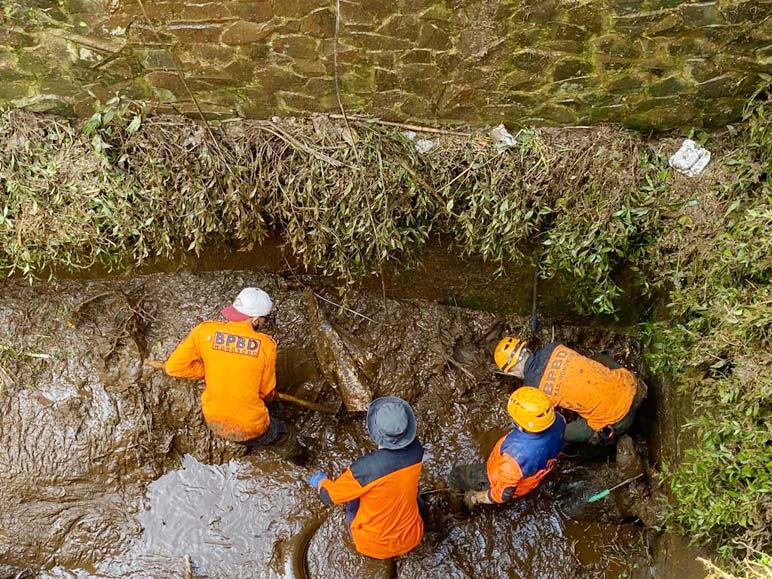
[(391, 422)]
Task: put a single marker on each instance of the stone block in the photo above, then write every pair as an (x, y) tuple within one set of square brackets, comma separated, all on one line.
[(612, 63), (319, 86), (320, 23), (416, 107), (702, 69), (47, 103), (14, 90), (520, 80), (274, 78), (701, 14), (243, 32), (662, 114), (386, 101), (163, 82), (190, 32), (531, 60), (565, 46), (434, 37), (203, 12), (722, 112), (407, 27), (537, 11), (673, 85), (438, 11), (12, 73), (252, 11), (241, 71), (570, 68), (298, 8), (747, 11), (308, 67), (386, 80), (690, 47), (157, 60), (568, 31), (13, 39), (301, 103), (622, 7), (370, 41), (591, 15), (418, 56), (557, 114), (615, 113), (295, 46), (617, 45), (627, 83), (359, 80), (663, 4)]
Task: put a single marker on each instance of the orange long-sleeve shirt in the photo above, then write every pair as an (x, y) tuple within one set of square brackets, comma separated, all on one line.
[(383, 486), (238, 366)]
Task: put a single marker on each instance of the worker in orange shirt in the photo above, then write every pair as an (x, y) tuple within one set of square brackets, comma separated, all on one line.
[(238, 364), (383, 509), (519, 460), (603, 394)]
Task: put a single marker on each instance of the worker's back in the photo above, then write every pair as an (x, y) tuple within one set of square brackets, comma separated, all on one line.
[(239, 368), (600, 395), (384, 519)]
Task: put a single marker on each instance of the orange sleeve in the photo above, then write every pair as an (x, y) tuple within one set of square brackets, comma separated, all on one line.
[(342, 490), (504, 475), (268, 382), (185, 361)]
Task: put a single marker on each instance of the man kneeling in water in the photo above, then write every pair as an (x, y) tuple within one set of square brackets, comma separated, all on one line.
[(521, 459)]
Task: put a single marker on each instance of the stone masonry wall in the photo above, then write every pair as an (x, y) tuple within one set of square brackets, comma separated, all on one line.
[(643, 63)]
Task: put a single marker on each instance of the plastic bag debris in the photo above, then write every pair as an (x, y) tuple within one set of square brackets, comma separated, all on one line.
[(425, 145), (502, 139), (690, 159)]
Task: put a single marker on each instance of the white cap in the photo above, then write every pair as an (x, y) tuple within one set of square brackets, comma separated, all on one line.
[(250, 303)]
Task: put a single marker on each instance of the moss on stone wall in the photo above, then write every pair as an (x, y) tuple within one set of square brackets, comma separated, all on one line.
[(643, 63)]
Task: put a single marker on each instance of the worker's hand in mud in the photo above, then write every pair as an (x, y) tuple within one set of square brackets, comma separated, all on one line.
[(316, 479), (472, 498)]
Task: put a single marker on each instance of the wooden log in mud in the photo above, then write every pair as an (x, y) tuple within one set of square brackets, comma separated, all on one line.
[(337, 363)]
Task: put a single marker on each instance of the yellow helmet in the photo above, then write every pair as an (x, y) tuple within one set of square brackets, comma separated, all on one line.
[(507, 353), (531, 409)]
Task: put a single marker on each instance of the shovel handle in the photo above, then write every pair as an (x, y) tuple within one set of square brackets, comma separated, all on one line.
[(598, 496), (159, 365)]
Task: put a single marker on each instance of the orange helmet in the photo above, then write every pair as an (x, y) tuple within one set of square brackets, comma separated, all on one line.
[(507, 353), (531, 409)]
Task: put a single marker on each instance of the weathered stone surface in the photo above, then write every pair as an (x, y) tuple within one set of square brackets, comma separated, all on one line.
[(243, 32), (701, 14), (571, 67), (475, 60), (670, 86), (531, 60)]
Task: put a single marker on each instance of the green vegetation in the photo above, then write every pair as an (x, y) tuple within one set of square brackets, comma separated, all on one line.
[(592, 204), (716, 346)]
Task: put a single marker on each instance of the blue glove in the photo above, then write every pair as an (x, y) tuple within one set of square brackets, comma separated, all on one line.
[(316, 479)]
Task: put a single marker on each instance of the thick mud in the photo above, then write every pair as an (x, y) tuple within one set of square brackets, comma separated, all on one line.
[(108, 470)]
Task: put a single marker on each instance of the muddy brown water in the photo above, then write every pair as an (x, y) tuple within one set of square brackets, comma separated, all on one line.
[(109, 471)]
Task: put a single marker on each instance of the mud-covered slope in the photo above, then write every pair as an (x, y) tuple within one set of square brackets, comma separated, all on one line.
[(85, 429)]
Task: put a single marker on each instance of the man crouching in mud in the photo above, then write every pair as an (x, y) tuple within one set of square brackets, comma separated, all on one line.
[(521, 459), (605, 395), (383, 510), (238, 364)]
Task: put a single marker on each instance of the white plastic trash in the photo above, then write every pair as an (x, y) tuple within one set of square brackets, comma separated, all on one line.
[(690, 159), (425, 145), (501, 138)]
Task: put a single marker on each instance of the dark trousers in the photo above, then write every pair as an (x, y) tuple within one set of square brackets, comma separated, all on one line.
[(276, 431)]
